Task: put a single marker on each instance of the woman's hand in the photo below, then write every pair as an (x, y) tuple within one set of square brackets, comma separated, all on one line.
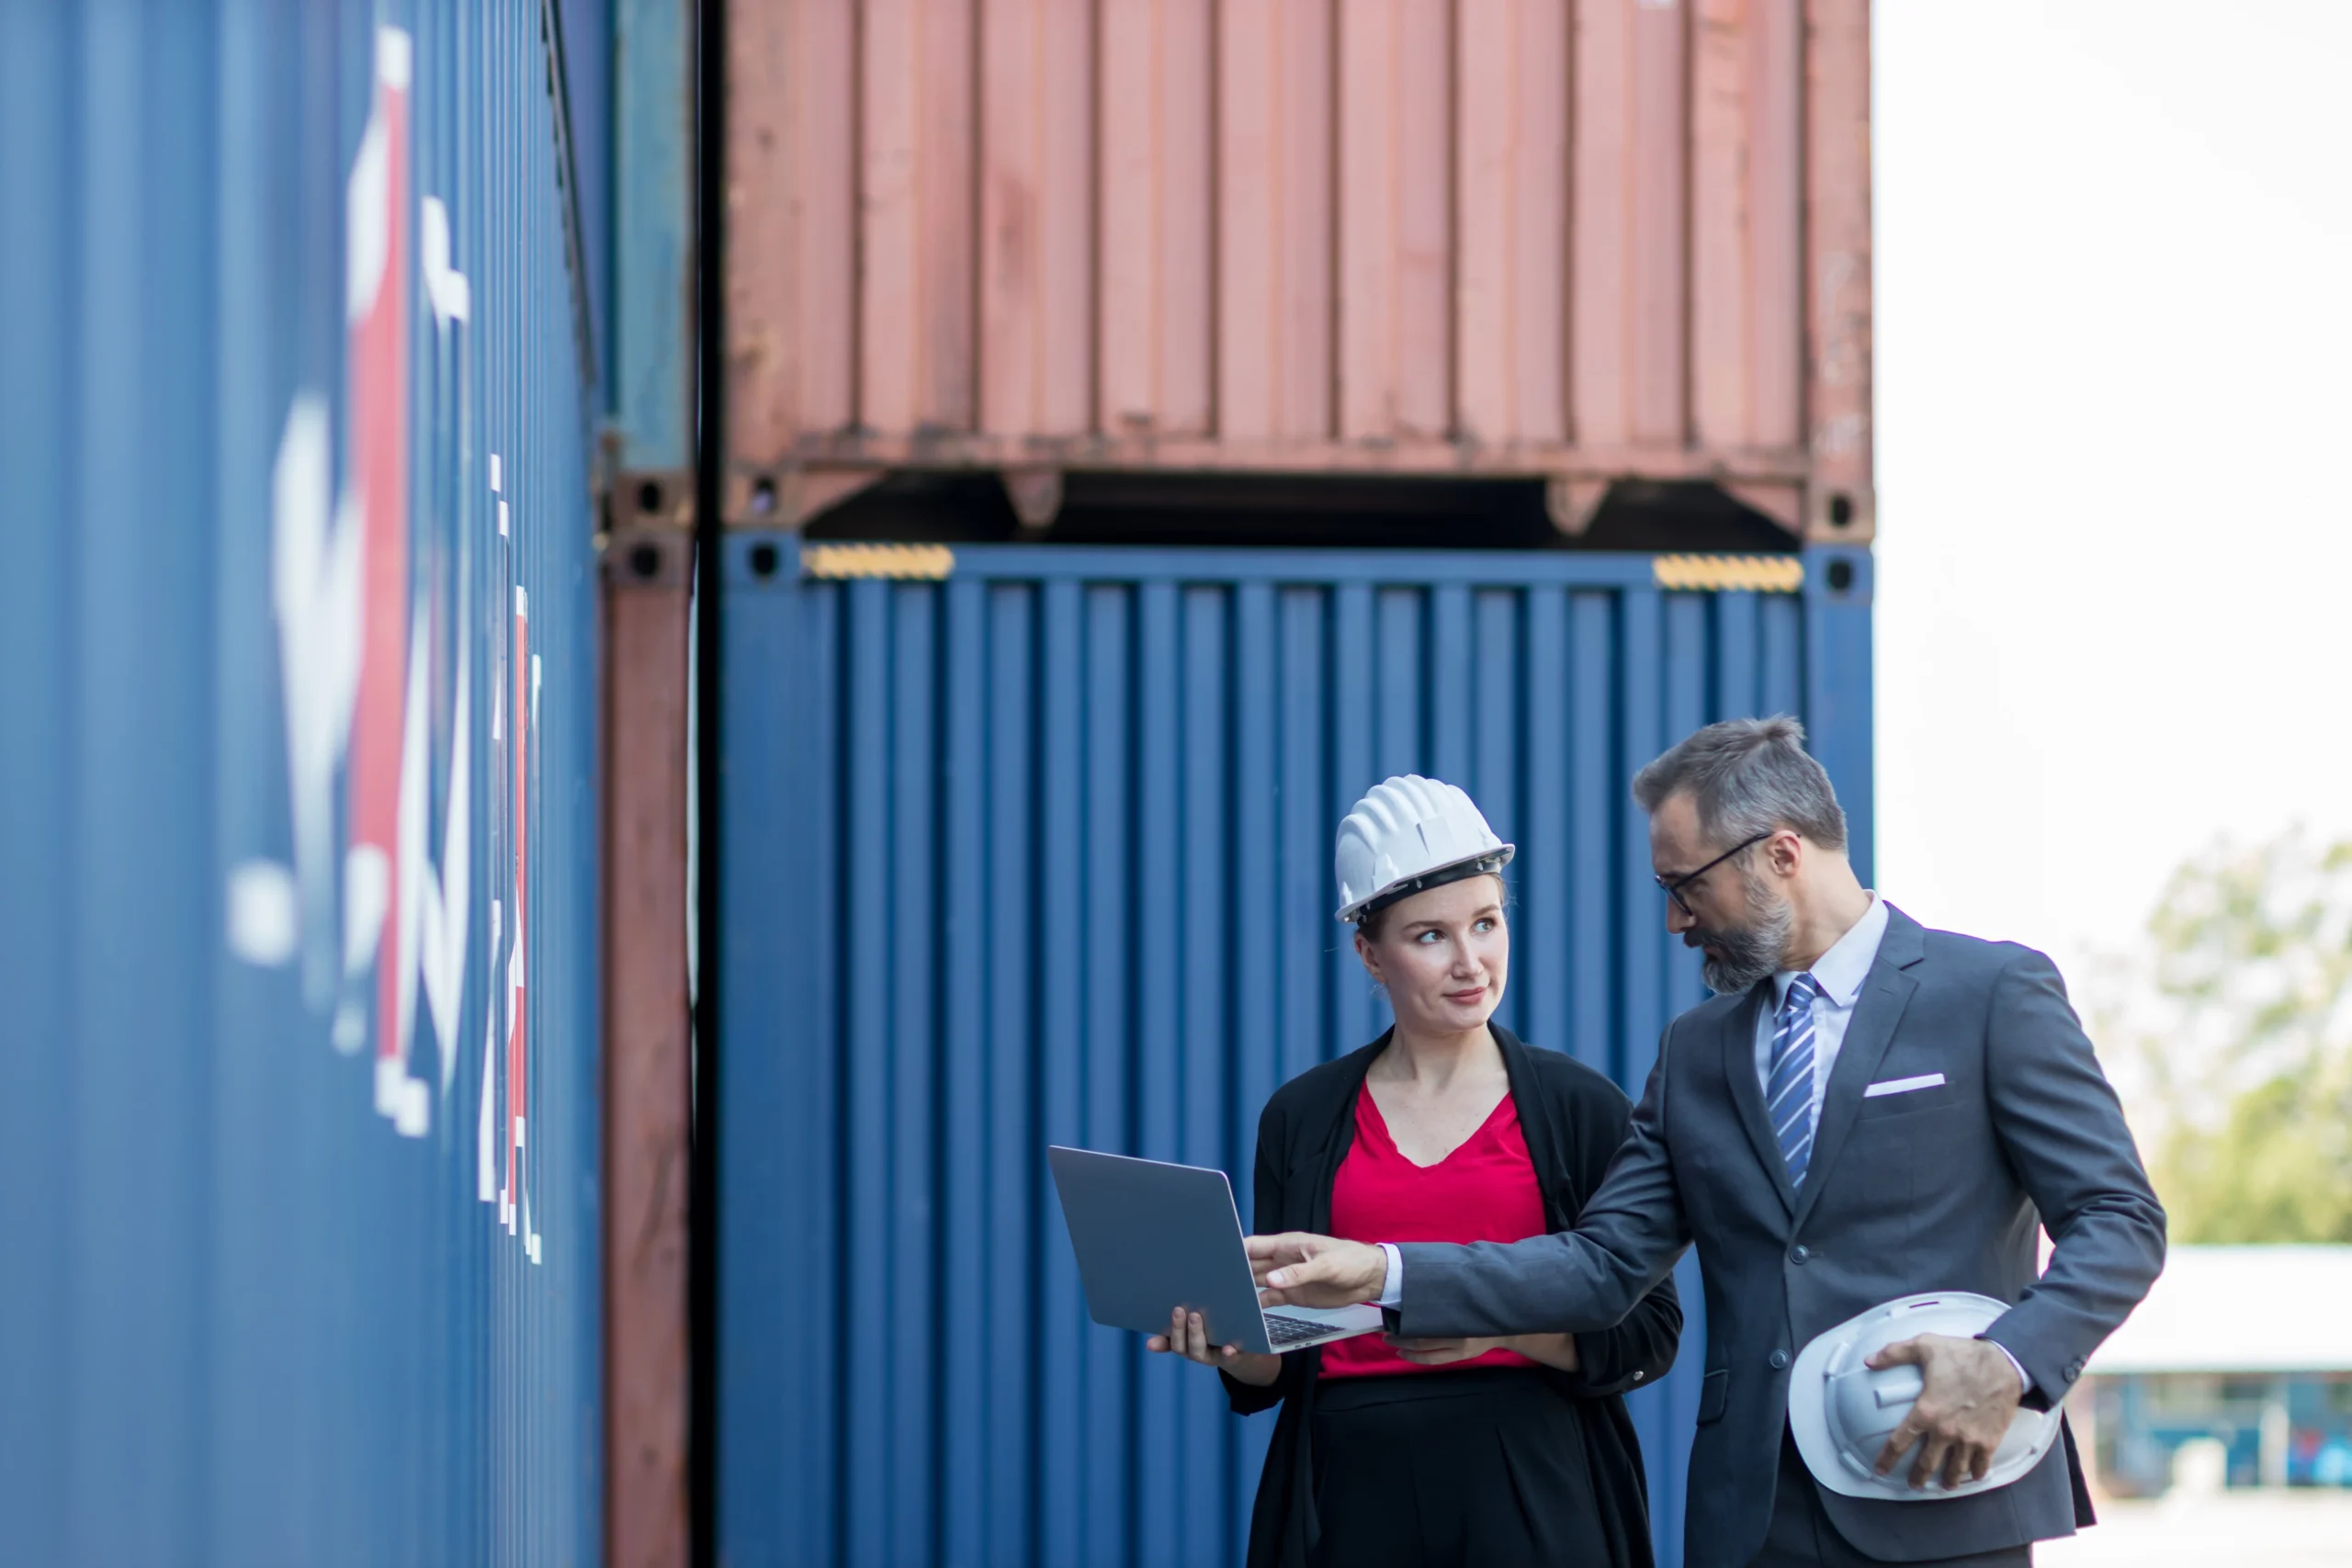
[(1442, 1352), (1553, 1350), (1188, 1338)]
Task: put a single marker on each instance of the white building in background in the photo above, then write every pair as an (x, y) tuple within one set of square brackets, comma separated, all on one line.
[(2250, 1347)]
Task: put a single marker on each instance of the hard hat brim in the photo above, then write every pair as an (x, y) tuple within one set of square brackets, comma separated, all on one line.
[(1809, 1421), (1485, 862)]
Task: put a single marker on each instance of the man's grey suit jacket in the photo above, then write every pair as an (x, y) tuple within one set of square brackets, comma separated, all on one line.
[(1934, 1189)]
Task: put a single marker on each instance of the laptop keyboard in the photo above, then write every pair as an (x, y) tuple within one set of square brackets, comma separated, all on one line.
[(1281, 1331)]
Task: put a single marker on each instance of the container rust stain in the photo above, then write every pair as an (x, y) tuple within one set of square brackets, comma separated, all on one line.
[(1577, 239), (647, 1077)]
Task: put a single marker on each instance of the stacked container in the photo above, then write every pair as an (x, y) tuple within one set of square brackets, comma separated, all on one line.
[(1029, 841), (297, 889)]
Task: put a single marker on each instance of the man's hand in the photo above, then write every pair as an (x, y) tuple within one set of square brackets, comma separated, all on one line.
[(1298, 1270), (1968, 1394)]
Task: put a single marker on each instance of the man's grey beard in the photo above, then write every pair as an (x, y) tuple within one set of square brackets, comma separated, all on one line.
[(1745, 954)]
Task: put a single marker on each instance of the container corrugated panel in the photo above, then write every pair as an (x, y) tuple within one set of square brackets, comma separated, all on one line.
[(1586, 239), (299, 1156), (1032, 845)]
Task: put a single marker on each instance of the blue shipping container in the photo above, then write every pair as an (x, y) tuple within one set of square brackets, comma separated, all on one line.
[(1028, 844), (298, 904)]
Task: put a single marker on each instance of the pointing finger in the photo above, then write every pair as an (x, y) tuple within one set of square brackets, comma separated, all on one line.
[(1287, 1247), (1310, 1270)]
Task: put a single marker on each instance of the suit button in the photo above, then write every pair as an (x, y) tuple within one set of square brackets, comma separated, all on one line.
[(1780, 1359), (1639, 1375), (2073, 1370), (1799, 1253)]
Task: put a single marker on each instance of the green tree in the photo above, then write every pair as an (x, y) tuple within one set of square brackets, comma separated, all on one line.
[(2240, 1028)]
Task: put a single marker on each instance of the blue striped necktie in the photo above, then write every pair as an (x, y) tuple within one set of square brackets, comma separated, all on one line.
[(1788, 1094)]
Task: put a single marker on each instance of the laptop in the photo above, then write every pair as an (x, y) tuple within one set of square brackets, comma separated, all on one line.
[(1153, 1236)]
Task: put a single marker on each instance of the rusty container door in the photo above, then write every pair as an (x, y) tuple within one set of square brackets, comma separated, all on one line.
[(299, 1158), (1576, 240), (647, 779)]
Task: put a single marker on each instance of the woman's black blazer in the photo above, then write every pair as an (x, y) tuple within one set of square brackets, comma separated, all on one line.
[(1573, 1118)]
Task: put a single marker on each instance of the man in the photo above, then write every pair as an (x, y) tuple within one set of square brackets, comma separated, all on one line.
[(1868, 1110)]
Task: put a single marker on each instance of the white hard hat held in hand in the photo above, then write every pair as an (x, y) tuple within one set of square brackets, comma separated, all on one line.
[(1842, 1412), (1409, 834)]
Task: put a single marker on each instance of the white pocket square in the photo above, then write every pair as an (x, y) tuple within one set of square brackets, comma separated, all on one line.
[(1903, 1085)]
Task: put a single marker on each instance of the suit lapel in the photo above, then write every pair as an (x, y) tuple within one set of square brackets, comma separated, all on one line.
[(1339, 1131), (1885, 993), (1535, 1112), (1748, 1093), (1542, 1123)]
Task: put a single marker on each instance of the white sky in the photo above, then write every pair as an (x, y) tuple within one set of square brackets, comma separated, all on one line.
[(2114, 332)]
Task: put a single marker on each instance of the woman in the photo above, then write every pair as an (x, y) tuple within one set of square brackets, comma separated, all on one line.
[(1446, 1128)]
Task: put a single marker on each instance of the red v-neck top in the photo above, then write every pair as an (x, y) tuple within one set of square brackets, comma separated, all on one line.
[(1484, 1190)]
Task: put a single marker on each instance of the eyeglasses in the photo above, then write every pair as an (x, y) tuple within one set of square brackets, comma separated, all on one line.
[(1673, 887)]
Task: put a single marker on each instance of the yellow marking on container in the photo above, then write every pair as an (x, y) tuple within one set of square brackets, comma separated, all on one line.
[(1743, 574), (921, 563)]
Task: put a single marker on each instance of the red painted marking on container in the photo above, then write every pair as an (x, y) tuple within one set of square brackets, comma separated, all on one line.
[(379, 212)]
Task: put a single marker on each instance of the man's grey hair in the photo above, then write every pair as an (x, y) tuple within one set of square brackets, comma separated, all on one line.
[(1747, 777)]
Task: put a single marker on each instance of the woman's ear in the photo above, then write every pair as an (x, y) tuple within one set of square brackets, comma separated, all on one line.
[(1370, 958)]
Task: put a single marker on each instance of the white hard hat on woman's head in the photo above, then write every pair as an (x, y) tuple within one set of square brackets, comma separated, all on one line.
[(1409, 834), (1842, 1413)]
